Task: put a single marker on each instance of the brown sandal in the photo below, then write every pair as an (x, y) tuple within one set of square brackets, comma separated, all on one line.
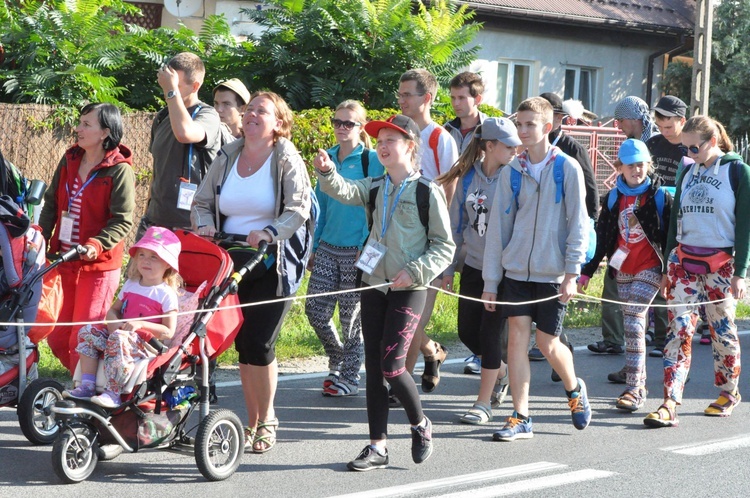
[(664, 416), (431, 375), (632, 399)]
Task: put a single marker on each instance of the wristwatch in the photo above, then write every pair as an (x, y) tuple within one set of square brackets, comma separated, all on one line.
[(171, 94)]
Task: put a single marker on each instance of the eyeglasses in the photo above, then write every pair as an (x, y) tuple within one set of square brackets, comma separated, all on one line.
[(347, 125), (407, 95), (693, 149)]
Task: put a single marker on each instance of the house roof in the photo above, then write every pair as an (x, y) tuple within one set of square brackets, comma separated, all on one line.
[(661, 16)]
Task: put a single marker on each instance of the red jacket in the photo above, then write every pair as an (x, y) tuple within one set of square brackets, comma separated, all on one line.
[(107, 205)]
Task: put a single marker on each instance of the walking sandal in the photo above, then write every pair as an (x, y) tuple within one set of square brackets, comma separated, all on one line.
[(632, 399), (264, 442), (431, 375), (664, 416), (723, 406)]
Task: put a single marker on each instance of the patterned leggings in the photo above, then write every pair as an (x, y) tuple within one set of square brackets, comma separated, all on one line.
[(333, 270), (687, 291), (121, 350), (638, 291), (388, 325)]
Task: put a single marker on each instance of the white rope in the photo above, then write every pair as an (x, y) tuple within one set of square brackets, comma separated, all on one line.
[(582, 297)]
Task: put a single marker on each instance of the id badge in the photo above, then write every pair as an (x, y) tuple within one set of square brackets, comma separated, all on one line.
[(679, 226), (618, 258), (66, 228), (371, 256), (186, 195)]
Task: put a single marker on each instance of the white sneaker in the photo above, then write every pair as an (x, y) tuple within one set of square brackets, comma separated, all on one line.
[(473, 365), (340, 389)]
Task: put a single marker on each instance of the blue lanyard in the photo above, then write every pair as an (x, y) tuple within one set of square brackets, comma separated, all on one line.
[(190, 149), (387, 220), (80, 190)]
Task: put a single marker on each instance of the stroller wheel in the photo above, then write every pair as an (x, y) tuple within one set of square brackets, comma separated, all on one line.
[(75, 453), (219, 445), (34, 417)]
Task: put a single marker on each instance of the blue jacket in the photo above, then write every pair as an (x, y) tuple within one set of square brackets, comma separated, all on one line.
[(338, 224)]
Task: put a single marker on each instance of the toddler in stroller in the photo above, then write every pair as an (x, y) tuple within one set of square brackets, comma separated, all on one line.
[(161, 396), (150, 291)]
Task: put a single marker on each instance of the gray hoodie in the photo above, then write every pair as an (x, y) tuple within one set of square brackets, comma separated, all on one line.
[(534, 239), (470, 215)]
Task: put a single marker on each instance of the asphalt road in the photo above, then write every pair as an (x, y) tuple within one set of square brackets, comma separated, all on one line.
[(614, 456)]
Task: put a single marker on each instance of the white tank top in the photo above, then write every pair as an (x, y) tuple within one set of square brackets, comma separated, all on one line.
[(248, 203)]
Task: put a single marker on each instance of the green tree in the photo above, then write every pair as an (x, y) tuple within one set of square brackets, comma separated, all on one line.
[(677, 80), (730, 86), (317, 53), (59, 52)]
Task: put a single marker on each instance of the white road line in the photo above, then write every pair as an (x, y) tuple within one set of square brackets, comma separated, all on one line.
[(710, 447), (478, 477), (517, 487)]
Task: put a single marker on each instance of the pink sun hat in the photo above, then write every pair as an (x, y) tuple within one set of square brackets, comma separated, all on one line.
[(163, 242)]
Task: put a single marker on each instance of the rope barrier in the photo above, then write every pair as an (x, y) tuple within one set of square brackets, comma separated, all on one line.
[(581, 297)]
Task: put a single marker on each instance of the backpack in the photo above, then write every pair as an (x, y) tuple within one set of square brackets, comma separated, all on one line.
[(423, 199), (433, 142), (558, 173), (465, 182)]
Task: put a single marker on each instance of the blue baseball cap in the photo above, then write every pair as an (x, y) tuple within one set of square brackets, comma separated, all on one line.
[(633, 151)]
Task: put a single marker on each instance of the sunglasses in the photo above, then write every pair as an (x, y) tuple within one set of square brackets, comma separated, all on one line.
[(347, 125), (693, 149)]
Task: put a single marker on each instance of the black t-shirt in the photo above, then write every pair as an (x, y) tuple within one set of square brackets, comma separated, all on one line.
[(666, 157)]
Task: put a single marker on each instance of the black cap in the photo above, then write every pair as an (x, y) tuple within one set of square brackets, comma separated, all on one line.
[(669, 105), (555, 100)]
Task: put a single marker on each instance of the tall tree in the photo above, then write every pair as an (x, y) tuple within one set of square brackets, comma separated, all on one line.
[(317, 53)]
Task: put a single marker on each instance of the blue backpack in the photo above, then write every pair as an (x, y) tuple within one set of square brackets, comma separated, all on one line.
[(465, 182), (558, 173)]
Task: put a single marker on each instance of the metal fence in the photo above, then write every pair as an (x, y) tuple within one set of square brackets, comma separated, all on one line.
[(602, 143)]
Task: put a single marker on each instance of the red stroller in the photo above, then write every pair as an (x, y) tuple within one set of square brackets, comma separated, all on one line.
[(156, 411), (21, 273)]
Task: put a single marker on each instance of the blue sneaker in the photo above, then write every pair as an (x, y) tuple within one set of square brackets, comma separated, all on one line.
[(473, 365), (580, 409), (515, 428)]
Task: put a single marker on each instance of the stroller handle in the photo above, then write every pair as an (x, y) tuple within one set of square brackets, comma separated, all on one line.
[(73, 253), (159, 346)]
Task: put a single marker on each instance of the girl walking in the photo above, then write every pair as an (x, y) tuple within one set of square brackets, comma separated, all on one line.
[(631, 233), (151, 290), (708, 247), (493, 146), (407, 251), (340, 234)]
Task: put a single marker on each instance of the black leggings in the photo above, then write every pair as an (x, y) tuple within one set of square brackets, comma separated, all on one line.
[(256, 341), (482, 331), (388, 325)]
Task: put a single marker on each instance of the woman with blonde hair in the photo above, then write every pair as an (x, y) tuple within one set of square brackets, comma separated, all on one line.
[(340, 234), (259, 186), (708, 246)]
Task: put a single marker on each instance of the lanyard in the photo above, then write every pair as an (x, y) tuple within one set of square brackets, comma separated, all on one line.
[(386, 221), (80, 190), (190, 149), (557, 139)]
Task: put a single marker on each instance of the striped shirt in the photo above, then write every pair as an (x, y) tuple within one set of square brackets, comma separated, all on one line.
[(75, 214)]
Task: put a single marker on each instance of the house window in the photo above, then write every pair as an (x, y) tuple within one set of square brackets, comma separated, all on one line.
[(580, 84), (514, 84)]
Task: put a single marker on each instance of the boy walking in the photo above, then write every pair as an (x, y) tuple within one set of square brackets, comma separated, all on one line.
[(417, 90), (541, 226)]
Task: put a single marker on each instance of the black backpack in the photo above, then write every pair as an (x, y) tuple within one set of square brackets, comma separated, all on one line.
[(423, 198)]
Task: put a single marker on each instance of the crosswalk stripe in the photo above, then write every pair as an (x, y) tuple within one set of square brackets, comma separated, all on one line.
[(535, 484), (711, 447), (457, 480)]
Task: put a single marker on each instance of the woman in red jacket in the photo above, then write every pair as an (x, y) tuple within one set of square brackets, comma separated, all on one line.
[(90, 202)]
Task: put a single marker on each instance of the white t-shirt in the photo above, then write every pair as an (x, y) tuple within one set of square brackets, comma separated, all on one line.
[(535, 169), (447, 152), (248, 203)]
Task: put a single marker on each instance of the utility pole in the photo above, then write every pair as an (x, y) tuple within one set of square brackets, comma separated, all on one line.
[(703, 33)]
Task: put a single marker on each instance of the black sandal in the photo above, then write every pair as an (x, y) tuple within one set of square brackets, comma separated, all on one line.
[(432, 363)]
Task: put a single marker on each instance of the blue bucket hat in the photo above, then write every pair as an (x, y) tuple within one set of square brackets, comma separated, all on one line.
[(633, 151)]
